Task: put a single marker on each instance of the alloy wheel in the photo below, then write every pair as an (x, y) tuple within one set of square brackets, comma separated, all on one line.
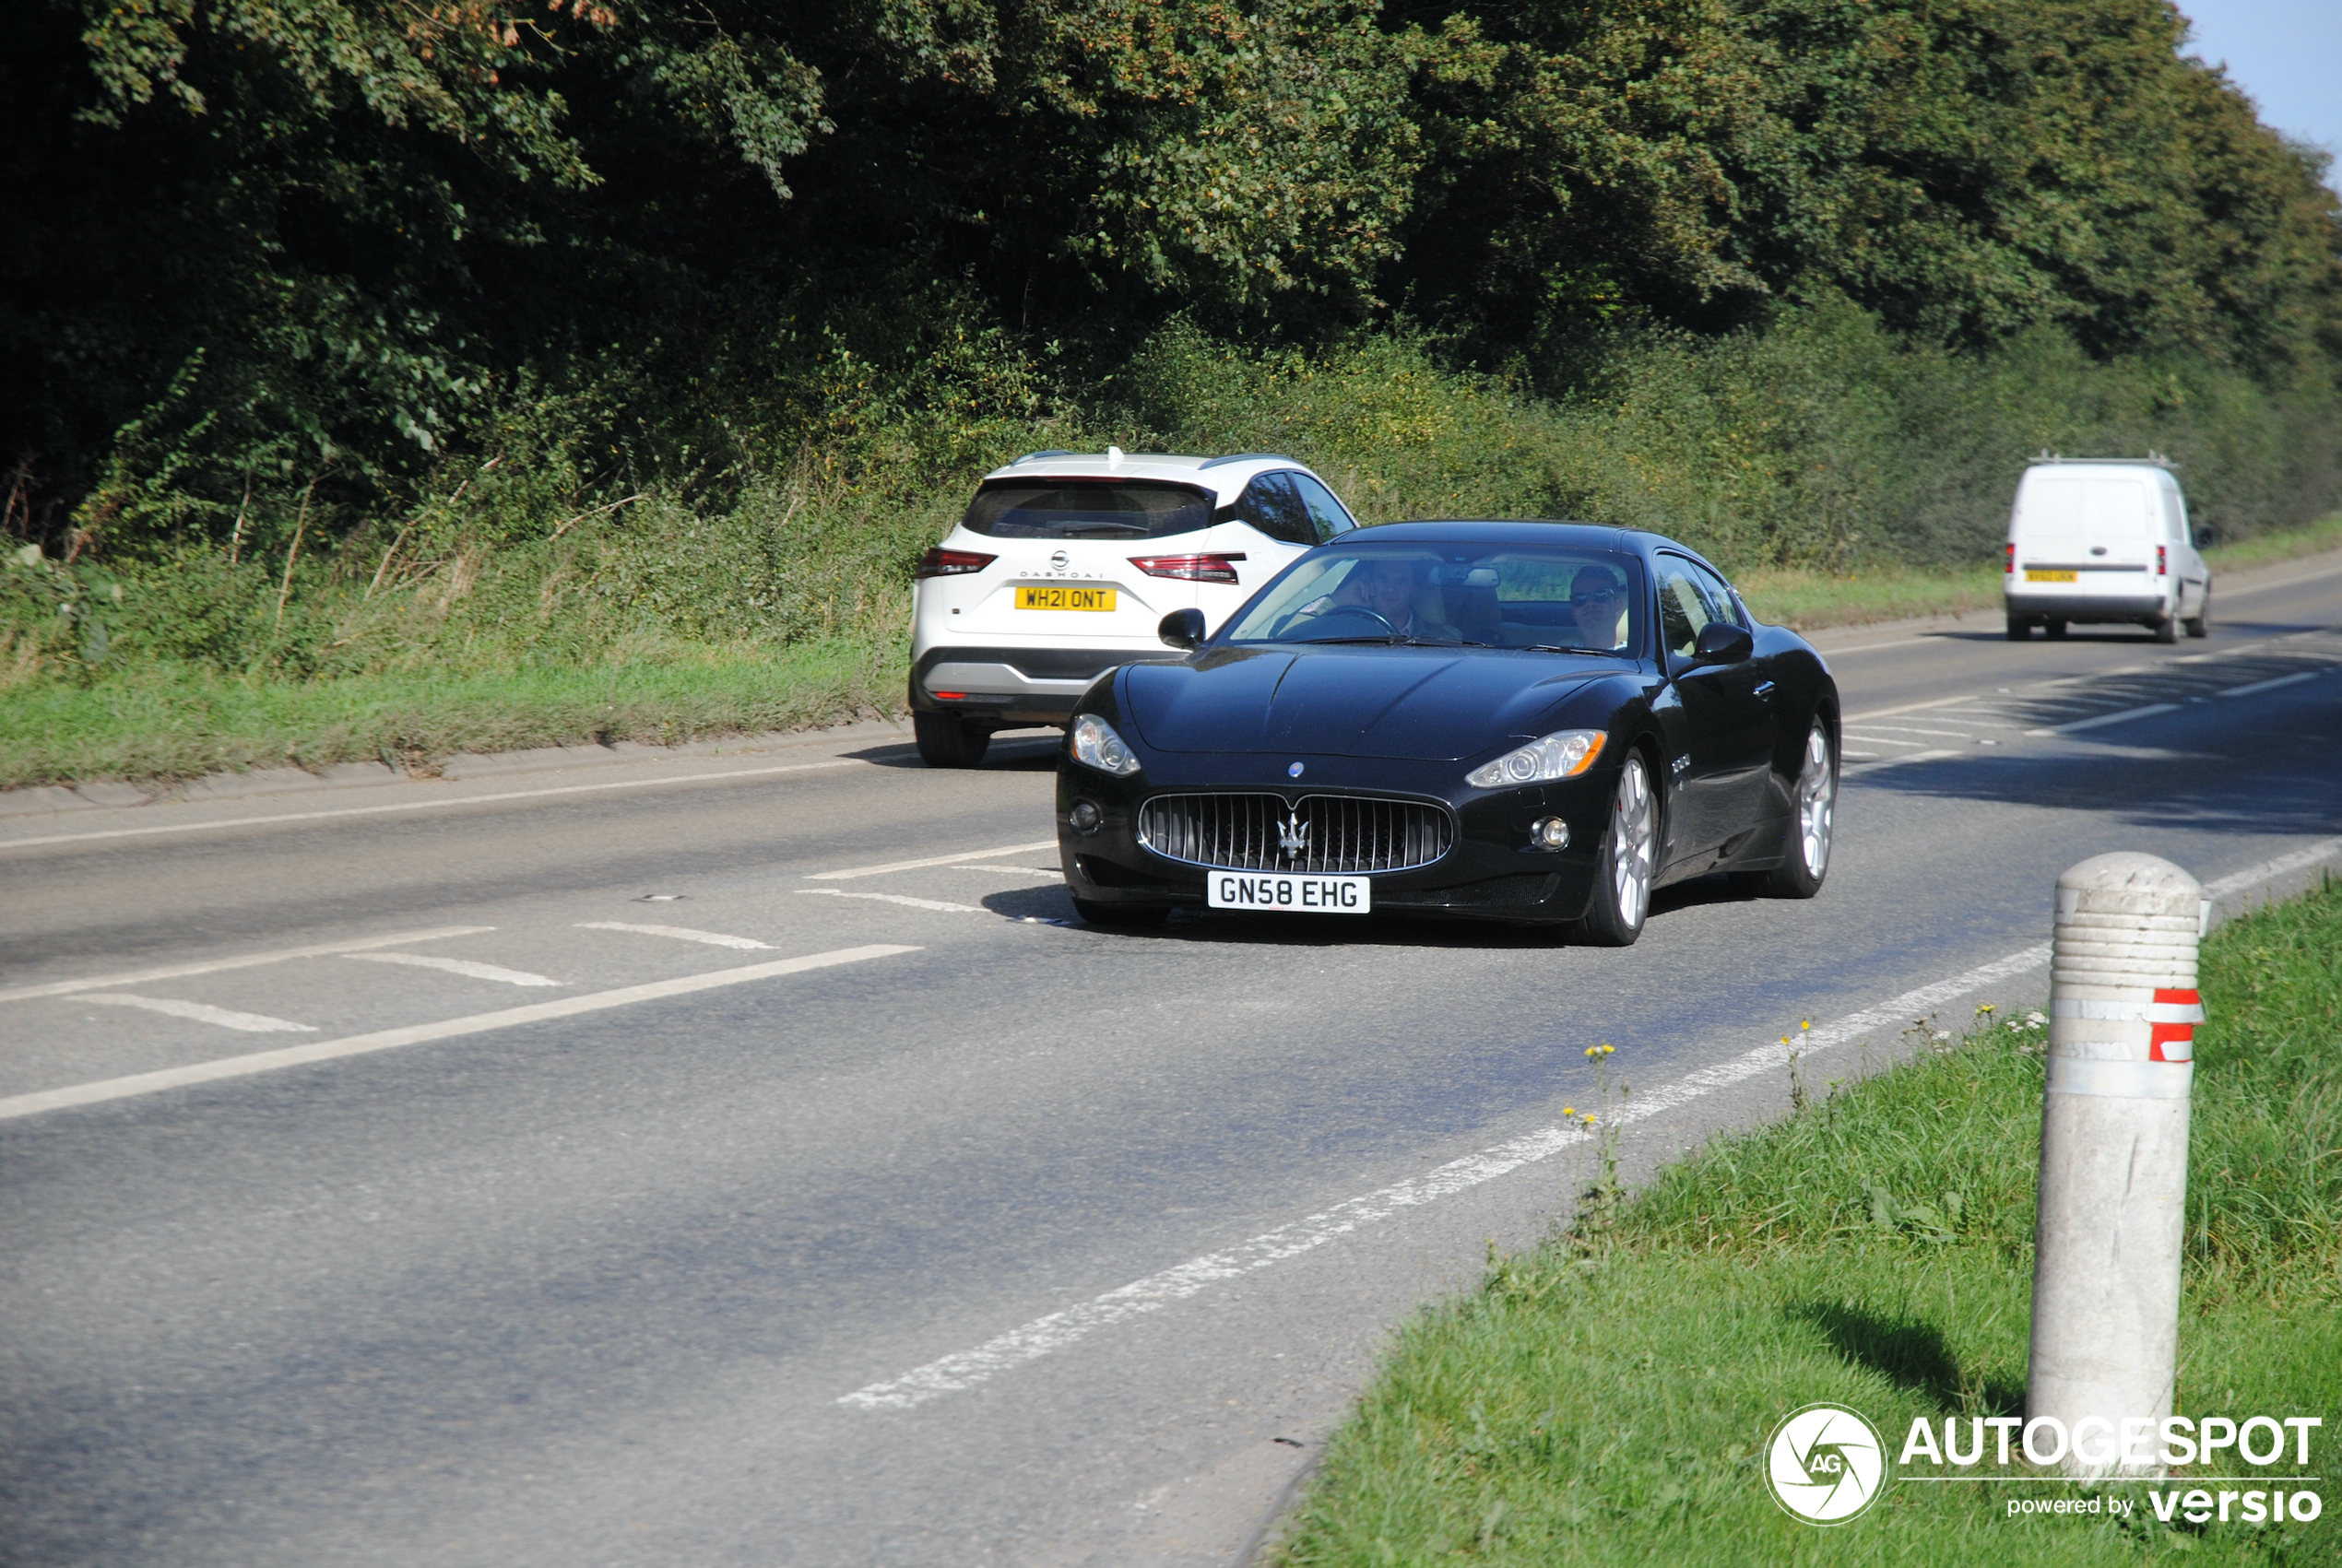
[(1634, 829), (1816, 804)]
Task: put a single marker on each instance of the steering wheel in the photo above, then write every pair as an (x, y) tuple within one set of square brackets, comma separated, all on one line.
[(1351, 620)]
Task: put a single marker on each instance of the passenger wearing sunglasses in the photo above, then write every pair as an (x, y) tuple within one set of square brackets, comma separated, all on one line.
[(1599, 604)]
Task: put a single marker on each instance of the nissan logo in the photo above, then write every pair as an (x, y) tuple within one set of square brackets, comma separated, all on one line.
[(1060, 560)]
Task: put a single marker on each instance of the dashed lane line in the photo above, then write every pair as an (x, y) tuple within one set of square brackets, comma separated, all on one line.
[(204, 1013), (903, 898), (468, 968), (679, 933), (447, 804), (2079, 726), (244, 961), (851, 872), (422, 1033)]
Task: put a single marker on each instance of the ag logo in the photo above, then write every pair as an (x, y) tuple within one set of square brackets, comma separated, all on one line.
[(1825, 1463)]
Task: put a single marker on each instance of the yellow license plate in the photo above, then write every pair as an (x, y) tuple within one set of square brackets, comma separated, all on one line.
[(1065, 599), (2049, 577)]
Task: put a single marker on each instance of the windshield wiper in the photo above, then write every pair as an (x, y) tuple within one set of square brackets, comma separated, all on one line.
[(1558, 648)]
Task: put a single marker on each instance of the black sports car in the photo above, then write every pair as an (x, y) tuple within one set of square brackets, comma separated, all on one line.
[(1535, 722)]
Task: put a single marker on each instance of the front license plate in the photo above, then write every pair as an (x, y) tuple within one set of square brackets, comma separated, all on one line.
[(1278, 890), (2032, 576), (1065, 599)]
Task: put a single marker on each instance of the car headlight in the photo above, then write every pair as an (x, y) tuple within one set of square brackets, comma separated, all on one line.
[(1096, 745), (1564, 754)]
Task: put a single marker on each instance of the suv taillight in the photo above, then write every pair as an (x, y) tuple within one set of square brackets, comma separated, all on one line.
[(2011, 567), (1191, 568), (940, 562)]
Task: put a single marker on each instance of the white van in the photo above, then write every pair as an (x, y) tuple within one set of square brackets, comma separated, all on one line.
[(2104, 539)]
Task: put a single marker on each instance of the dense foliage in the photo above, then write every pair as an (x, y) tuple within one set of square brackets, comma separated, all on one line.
[(311, 303)]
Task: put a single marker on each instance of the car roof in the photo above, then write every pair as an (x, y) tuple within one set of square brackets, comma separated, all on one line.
[(1462, 530), (1227, 476)]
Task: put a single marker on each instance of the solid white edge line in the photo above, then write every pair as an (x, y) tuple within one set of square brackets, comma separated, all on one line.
[(853, 871), (1037, 1339), (679, 933), (422, 1033), (430, 805), (1058, 1329), (2077, 725), (247, 961)]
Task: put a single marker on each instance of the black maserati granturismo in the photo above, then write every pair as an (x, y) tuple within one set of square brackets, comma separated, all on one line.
[(1533, 721)]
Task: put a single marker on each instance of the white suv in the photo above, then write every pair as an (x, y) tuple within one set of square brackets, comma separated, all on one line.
[(1066, 563)]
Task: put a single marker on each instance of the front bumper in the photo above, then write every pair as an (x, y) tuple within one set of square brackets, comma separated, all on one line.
[(1489, 871), (1017, 685)]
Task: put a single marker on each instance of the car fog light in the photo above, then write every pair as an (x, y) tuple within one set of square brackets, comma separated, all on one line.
[(1550, 832), (1085, 817)]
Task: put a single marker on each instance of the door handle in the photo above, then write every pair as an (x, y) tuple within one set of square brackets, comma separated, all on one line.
[(1764, 689)]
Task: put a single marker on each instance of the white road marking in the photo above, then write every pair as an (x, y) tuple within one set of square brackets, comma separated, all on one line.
[(1907, 708), (965, 1369), (2124, 718), (1915, 729), (2267, 685), (681, 932), (431, 804), (1880, 740), (246, 961), (903, 898), (2268, 870), (204, 1013), (421, 1033), (464, 967), (1894, 763), (852, 872), (1016, 870)]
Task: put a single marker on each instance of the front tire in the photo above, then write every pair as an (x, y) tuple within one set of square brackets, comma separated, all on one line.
[(947, 740), (1623, 870), (1096, 914), (1801, 874)]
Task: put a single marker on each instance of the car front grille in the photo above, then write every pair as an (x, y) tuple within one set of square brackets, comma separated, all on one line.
[(1318, 833)]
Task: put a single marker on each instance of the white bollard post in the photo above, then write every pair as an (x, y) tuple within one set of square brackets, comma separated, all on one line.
[(2113, 1180)]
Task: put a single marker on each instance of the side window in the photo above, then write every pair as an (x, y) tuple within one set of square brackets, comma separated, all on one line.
[(1326, 514), (1682, 605), (1721, 603), (1271, 504)]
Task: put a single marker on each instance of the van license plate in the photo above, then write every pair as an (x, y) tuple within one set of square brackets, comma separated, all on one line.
[(2032, 576), (1283, 893), (1065, 599)]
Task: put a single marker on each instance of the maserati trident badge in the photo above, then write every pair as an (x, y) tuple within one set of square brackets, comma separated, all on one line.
[(1292, 837)]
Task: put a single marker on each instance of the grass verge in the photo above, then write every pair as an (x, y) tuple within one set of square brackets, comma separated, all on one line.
[(1604, 1398), (165, 723)]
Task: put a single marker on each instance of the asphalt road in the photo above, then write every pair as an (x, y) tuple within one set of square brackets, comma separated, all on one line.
[(663, 1174)]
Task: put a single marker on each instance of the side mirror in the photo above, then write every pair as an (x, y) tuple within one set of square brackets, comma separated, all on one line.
[(1721, 642), (1182, 629)]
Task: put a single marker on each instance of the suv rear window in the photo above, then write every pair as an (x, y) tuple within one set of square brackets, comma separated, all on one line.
[(1086, 508)]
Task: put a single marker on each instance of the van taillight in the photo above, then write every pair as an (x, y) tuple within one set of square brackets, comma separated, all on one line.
[(1191, 568), (940, 562), (2161, 565), (2011, 566)]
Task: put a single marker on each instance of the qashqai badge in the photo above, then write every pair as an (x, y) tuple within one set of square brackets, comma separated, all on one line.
[(1059, 560)]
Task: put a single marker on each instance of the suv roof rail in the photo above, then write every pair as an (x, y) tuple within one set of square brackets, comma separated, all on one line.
[(1046, 452), (1244, 457)]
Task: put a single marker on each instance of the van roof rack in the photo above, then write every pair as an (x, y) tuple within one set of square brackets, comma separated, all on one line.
[(2153, 459)]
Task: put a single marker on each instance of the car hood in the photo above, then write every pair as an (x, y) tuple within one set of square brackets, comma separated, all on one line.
[(1422, 704)]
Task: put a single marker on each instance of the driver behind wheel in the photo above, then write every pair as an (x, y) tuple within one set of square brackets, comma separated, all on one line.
[(1389, 589), (1598, 604)]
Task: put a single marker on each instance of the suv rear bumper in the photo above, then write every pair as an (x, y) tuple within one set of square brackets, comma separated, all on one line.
[(2143, 608), (1020, 685)]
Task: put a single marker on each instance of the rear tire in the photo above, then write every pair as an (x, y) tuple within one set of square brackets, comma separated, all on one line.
[(2020, 628), (1120, 914), (1623, 870), (2167, 629), (947, 740), (2053, 630), (2200, 623), (1815, 818)]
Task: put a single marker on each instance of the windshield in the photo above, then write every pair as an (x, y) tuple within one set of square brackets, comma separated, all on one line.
[(1086, 508), (1556, 598)]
